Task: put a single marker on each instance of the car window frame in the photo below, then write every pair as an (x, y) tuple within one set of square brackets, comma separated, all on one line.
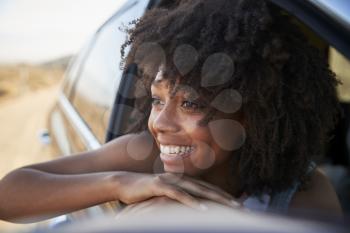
[(67, 97), (324, 24), (119, 108)]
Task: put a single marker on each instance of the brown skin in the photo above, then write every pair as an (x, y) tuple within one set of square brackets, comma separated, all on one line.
[(75, 182), (319, 198), (49, 189), (175, 121), (172, 118), (57, 186)]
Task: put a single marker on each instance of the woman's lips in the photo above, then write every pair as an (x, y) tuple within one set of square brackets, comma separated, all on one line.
[(171, 158)]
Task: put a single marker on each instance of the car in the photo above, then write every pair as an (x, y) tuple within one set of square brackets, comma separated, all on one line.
[(95, 104)]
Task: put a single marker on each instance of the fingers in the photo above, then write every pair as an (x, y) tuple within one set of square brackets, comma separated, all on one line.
[(179, 195), (208, 193), (200, 189), (213, 187), (233, 201)]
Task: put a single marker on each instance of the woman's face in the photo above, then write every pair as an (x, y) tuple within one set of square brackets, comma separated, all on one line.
[(185, 146)]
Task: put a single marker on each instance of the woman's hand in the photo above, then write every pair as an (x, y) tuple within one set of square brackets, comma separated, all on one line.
[(136, 187)]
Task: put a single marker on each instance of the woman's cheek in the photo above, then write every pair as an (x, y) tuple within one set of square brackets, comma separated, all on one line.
[(191, 124), (150, 123), (205, 156), (228, 134)]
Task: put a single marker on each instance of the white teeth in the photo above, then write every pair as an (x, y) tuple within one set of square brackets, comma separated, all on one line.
[(175, 149), (183, 149)]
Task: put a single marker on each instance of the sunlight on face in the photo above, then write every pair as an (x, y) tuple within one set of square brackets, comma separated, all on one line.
[(185, 145)]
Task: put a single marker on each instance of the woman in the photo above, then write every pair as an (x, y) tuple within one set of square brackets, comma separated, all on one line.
[(239, 105)]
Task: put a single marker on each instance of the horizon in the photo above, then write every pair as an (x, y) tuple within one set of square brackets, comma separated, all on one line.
[(39, 31)]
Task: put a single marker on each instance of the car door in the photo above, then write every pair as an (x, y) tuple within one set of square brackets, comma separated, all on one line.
[(79, 120)]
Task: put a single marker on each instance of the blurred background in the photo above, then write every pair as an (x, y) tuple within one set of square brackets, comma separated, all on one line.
[(37, 40)]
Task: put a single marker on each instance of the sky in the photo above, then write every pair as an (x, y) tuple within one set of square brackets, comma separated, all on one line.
[(35, 31)]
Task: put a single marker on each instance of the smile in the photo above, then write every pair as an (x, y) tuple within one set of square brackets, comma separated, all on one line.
[(175, 150), (171, 154)]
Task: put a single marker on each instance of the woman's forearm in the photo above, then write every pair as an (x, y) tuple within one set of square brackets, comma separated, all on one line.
[(29, 195)]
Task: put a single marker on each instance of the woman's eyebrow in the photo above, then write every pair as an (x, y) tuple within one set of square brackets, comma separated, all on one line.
[(189, 92), (157, 83)]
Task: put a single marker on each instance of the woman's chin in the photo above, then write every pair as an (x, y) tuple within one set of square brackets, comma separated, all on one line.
[(174, 169), (180, 164), (183, 171)]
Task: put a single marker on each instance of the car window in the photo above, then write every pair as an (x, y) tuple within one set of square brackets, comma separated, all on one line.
[(340, 65), (96, 88), (74, 67)]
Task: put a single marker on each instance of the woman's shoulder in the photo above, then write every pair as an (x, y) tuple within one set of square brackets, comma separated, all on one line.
[(319, 196)]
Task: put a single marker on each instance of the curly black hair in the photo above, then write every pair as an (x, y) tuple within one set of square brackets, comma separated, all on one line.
[(288, 92)]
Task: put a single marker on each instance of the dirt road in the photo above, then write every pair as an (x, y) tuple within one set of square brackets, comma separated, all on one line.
[(21, 120)]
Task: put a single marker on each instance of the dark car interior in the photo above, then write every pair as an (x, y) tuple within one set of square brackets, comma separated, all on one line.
[(331, 35)]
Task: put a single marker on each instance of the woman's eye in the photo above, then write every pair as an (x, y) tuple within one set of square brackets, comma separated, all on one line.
[(191, 106), (156, 101)]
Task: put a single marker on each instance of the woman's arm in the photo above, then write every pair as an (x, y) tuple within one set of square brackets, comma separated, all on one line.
[(48, 189), (319, 198), (70, 183), (117, 155), (28, 195)]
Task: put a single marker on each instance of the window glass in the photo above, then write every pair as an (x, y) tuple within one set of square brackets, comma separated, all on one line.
[(96, 88), (74, 66), (340, 66)]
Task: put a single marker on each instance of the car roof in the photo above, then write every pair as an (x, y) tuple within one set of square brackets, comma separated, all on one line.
[(330, 19), (339, 10)]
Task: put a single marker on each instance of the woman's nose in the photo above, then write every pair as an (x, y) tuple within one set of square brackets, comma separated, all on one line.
[(166, 120)]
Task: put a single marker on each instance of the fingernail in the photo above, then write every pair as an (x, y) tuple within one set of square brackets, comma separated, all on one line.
[(203, 207)]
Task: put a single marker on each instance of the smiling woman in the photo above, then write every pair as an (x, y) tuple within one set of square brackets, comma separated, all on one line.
[(184, 146), (232, 96), (250, 53)]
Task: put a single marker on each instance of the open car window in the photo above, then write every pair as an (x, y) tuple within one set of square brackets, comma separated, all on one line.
[(101, 71)]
